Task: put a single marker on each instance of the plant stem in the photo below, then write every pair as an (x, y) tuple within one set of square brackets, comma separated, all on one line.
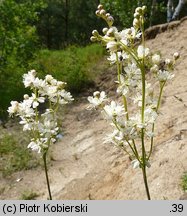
[(153, 126), (144, 157), (46, 174), (145, 181), (119, 68)]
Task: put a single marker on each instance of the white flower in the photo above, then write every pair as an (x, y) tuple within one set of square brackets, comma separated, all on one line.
[(110, 138), (35, 101), (150, 115), (29, 78), (121, 56), (156, 59), (138, 99), (61, 84), (123, 87), (154, 69), (128, 34), (113, 110), (133, 72), (51, 91), (48, 128), (142, 52), (97, 99), (38, 144), (116, 137), (112, 58), (44, 128), (14, 108), (135, 164), (26, 109), (136, 119), (112, 46), (168, 61), (28, 124), (48, 78), (176, 55), (34, 146), (150, 134), (164, 75), (65, 97)]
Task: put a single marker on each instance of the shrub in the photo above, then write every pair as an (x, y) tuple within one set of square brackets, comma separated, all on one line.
[(14, 156), (73, 65)]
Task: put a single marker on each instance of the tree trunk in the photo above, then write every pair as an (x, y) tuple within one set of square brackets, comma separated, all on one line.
[(67, 3), (153, 8)]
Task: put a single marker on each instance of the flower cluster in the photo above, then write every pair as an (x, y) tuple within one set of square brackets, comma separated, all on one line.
[(134, 60), (42, 126)]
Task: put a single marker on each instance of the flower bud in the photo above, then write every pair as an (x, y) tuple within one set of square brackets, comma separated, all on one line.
[(108, 14), (154, 69), (97, 13), (95, 33), (33, 72), (48, 78), (136, 23), (176, 55), (26, 97), (144, 9), (61, 84), (156, 59), (110, 20), (110, 32), (102, 12), (96, 94), (138, 10), (168, 62), (136, 15), (129, 31), (93, 39), (100, 7), (105, 30)]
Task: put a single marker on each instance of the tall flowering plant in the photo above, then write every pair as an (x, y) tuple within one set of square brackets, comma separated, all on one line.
[(42, 126), (132, 131)]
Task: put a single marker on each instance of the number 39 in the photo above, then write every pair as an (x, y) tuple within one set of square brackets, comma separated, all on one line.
[(177, 208)]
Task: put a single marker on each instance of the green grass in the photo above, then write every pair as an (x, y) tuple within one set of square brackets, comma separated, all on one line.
[(74, 65), (28, 195), (184, 182), (15, 156)]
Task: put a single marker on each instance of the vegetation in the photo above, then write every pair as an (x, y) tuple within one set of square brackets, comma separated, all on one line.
[(184, 182), (65, 22), (73, 65), (15, 156), (28, 195), (123, 11), (18, 46), (47, 26)]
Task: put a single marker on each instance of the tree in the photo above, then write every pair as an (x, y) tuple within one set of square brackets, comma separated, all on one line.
[(65, 22), (18, 45), (124, 10)]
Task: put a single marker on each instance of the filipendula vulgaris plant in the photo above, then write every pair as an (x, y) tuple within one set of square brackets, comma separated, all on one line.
[(42, 126), (133, 132)]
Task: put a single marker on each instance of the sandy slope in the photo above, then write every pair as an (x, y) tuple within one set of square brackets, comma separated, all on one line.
[(85, 168)]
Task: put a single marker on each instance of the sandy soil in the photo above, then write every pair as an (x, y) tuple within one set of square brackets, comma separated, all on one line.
[(85, 168)]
